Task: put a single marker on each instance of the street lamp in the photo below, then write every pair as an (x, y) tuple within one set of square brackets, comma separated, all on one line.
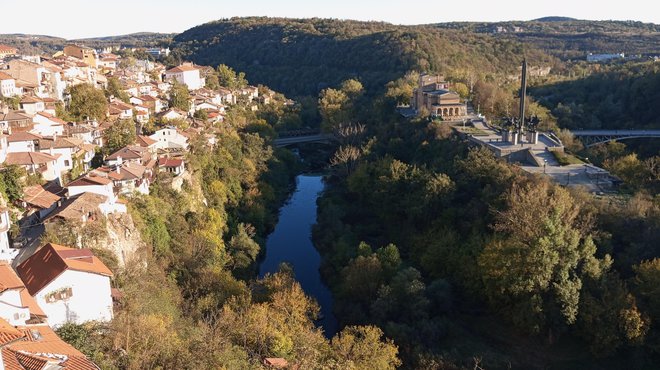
[(545, 162), (586, 166)]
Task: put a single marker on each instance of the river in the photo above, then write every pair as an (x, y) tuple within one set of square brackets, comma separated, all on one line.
[(291, 242)]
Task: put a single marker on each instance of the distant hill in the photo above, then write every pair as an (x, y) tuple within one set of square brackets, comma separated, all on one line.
[(554, 19), (300, 56), (133, 40), (40, 44), (568, 38)]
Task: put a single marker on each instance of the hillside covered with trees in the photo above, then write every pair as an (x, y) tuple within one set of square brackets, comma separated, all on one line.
[(467, 261), (302, 56), (571, 38)]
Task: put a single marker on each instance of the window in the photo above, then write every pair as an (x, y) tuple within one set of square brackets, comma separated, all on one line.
[(67, 163)]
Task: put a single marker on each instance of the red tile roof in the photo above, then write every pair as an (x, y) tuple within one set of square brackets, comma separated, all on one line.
[(52, 118), (52, 260), (128, 152), (145, 141), (4, 76), (37, 346), (30, 99), (8, 333), (8, 278), (29, 158), (78, 207), (10, 281), (170, 162), (39, 197), (4, 49), (182, 68), (276, 362), (89, 180), (22, 136)]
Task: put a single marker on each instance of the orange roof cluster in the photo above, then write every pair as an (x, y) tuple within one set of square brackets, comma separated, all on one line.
[(52, 260), (6, 49), (36, 347)]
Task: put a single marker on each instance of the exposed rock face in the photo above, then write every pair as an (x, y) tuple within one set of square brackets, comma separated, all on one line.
[(124, 239)]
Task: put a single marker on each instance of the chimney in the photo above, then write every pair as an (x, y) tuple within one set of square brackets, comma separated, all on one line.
[(119, 161)]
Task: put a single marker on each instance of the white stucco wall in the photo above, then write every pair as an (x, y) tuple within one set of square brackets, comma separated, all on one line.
[(90, 300), (20, 146), (45, 127), (96, 189), (169, 139), (10, 307)]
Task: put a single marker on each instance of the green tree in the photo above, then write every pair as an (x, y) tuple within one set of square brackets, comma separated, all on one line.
[(242, 248), (230, 79), (115, 89), (363, 348), (609, 317), (87, 102), (11, 184), (334, 109), (352, 88), (119, 135), (179, 96), (212, 81), (461, 89), (534, 267), (647, 286)]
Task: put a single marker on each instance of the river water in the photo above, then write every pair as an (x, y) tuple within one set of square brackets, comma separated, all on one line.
[(291, 242)]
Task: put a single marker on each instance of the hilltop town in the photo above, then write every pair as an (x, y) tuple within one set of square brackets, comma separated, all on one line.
[(80, 168)]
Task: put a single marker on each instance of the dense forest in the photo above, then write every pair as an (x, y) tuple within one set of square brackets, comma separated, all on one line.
[(466, 261), (618, 97), (302, 56)]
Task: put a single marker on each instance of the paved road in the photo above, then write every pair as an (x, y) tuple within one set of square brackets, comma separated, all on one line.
[(31, 235)]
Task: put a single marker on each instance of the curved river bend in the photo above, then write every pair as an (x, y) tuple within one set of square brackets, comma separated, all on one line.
[(291, 242)]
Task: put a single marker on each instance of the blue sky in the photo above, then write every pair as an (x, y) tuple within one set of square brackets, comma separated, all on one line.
[(89, 18)]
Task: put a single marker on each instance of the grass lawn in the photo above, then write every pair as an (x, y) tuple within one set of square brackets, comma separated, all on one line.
[(471, 130), (566, 159)]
